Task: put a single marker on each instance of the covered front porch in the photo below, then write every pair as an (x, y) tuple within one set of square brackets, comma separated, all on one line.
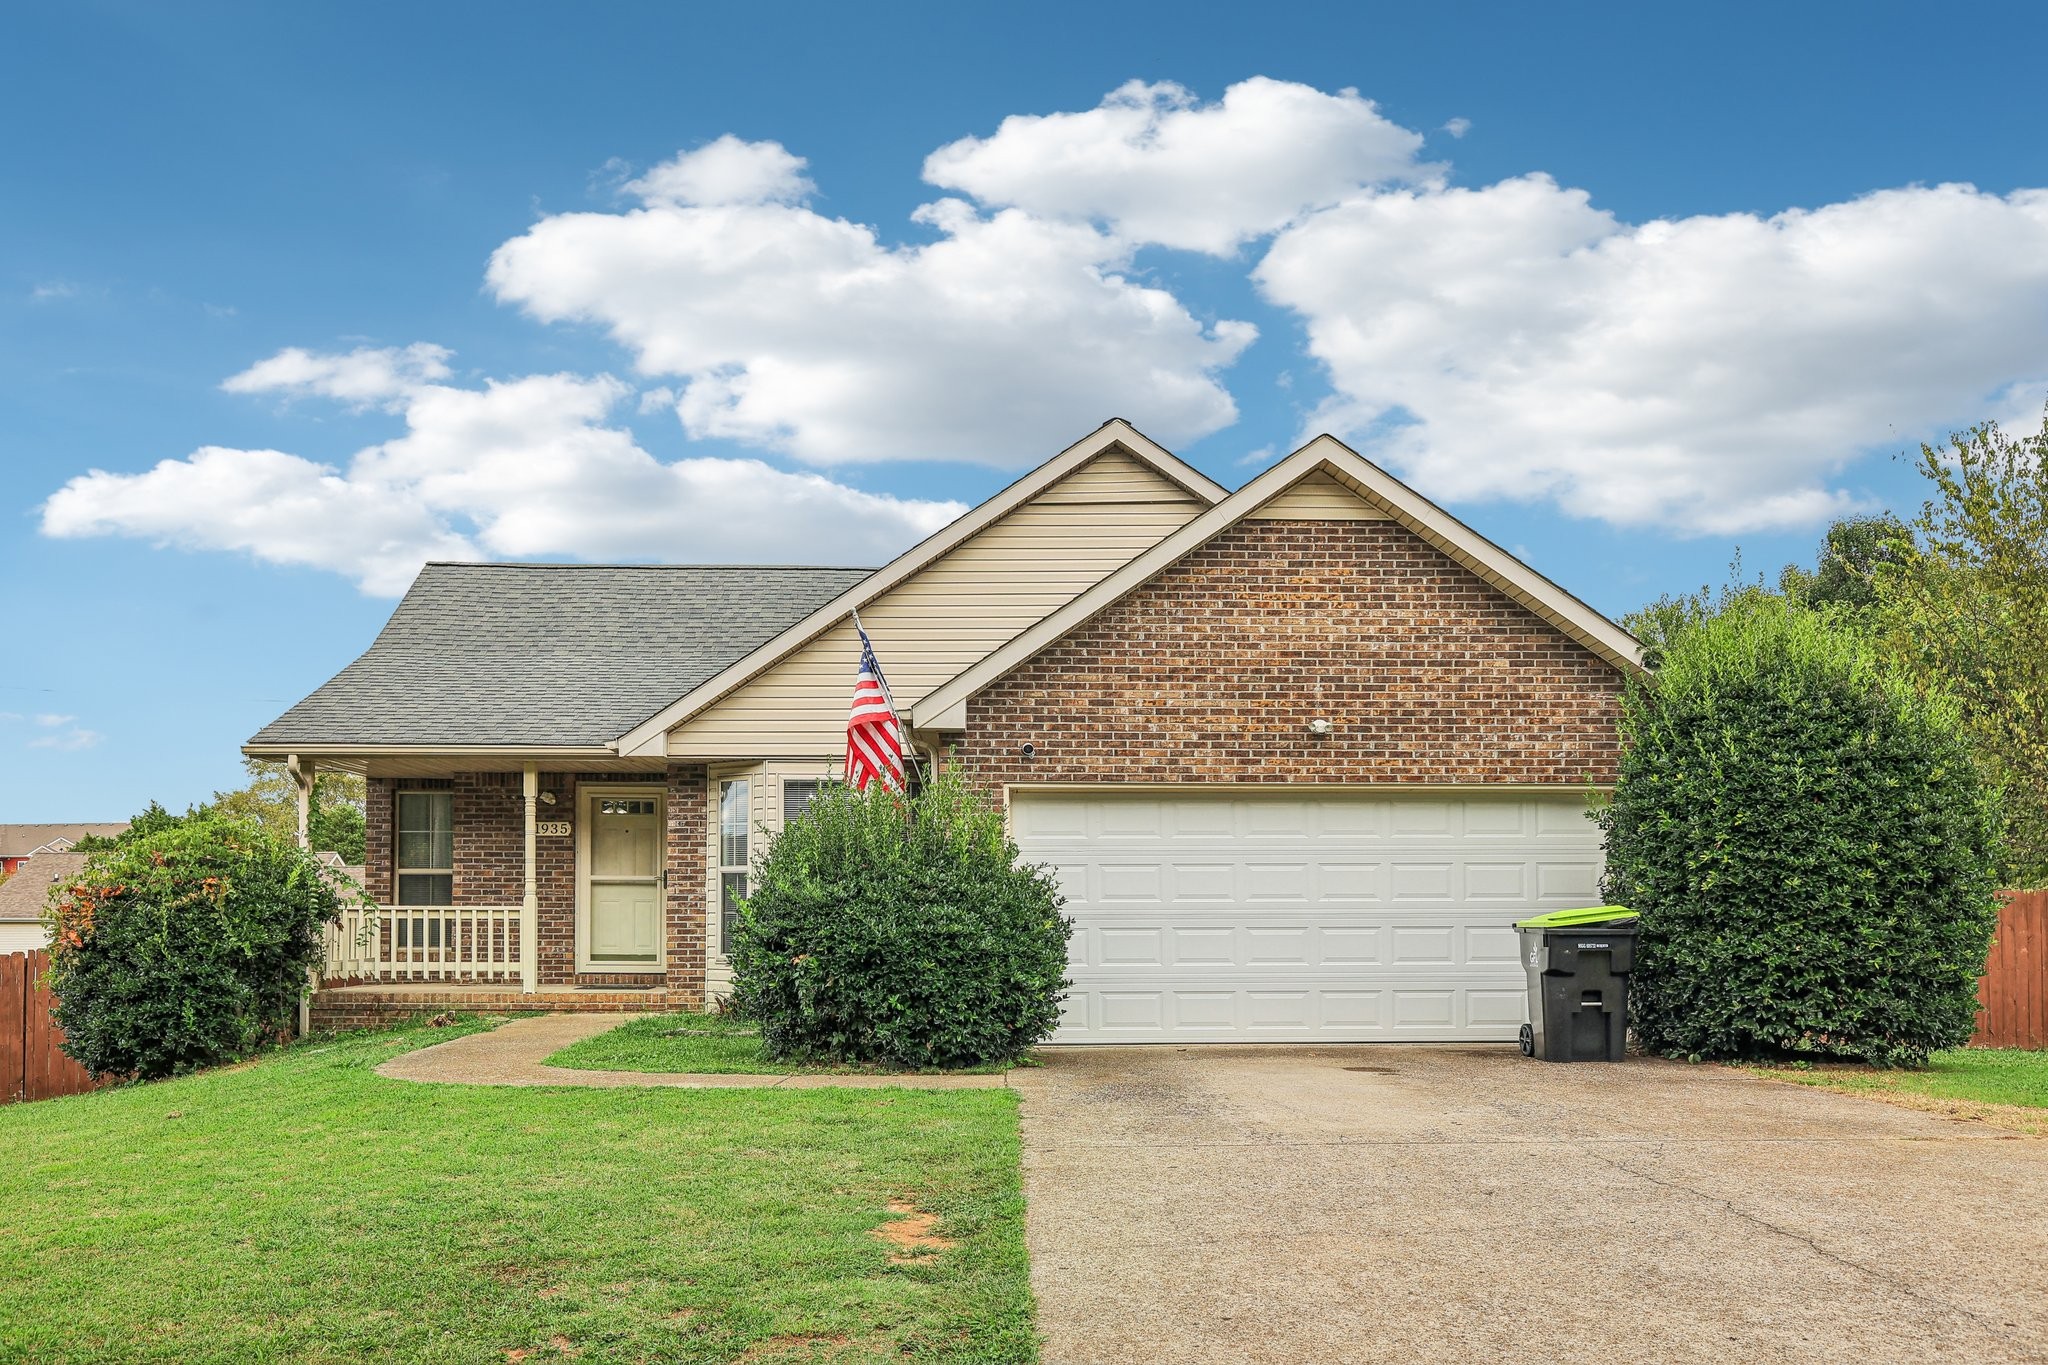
[(498, 881)]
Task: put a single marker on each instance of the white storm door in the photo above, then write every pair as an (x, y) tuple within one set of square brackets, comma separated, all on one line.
[(624, 895)]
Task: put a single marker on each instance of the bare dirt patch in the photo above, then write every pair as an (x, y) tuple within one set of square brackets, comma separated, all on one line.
[(911, 1231)]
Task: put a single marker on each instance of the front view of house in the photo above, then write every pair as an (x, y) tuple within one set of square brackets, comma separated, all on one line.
[(1301, 753)]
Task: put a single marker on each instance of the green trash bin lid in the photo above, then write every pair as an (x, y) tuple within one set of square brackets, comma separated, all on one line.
[(1567, 919)]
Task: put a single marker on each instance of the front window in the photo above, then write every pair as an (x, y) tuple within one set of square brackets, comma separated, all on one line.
[(799, 792), (426, 848), (734, 808)]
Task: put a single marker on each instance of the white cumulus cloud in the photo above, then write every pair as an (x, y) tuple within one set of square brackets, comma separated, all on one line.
[(726, 171), (519, 468), (379, 376), (1714, 373), (791, 331), (1160, 167)]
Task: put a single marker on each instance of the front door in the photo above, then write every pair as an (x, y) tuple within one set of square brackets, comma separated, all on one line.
[(624, 889)]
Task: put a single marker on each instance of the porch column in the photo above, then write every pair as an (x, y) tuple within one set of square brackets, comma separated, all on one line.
[(529, 916), (303, 772)]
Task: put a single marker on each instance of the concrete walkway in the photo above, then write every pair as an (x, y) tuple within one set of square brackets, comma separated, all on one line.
[(514, 1052), (1231, 1205)]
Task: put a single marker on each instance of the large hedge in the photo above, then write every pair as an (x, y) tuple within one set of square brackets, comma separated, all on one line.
[(900, 930), (1809, 841), (185, 945)]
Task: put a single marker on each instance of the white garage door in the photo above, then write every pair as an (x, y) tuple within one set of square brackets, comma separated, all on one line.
[(1325, 917)]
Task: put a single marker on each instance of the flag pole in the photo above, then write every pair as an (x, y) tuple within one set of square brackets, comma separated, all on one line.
[(902, 730)]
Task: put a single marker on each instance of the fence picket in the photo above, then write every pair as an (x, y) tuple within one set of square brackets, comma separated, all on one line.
[(32, 1064), (2012, 997)]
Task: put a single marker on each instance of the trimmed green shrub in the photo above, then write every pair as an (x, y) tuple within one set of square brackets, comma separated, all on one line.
[(1809, 841), (185, 946), (900, 930)]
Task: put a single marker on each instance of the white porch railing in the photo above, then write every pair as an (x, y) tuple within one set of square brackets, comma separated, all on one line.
[(431, 943)]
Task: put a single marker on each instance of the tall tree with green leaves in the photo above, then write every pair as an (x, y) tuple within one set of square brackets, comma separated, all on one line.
[(1964, 609), (271, 800)]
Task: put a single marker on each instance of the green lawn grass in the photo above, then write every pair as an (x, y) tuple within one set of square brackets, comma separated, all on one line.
[(1973, 1075), (712, 1044), (304, 1209)]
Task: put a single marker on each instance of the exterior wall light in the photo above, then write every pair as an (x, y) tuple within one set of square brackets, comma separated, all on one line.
[(547, 798), (1320, 728)]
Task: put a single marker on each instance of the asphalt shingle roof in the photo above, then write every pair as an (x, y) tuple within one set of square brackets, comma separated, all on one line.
[(19, 840), (22, 895), (569, 654)]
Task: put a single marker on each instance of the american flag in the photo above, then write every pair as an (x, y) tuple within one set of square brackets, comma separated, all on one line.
[(874, 737)]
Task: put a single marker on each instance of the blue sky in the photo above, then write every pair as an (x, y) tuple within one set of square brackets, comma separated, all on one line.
[(1624, 367)]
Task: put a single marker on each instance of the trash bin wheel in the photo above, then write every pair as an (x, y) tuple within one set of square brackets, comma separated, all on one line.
[(1528, 1041)]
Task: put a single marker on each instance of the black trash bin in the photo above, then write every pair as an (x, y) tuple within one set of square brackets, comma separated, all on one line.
[(1578, 963)]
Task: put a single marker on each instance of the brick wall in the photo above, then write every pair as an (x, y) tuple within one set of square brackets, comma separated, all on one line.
[(1213, 671), (689, 838)]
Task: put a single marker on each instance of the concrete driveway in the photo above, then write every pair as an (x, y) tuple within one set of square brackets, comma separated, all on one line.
[(1448, 1204)]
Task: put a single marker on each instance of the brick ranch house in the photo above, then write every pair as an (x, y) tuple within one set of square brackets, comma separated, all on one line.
[(1300, 753)]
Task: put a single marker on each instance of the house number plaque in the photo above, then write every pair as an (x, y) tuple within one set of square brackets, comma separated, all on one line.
[(551, 827)]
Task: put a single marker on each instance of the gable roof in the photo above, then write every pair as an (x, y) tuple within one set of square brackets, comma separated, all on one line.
[(649, 736), (546, 655), (22, 895), (944, 708), (18, 841)]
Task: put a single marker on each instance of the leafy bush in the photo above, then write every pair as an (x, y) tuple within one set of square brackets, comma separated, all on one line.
[(1810, 844), (185, 945), (900, 930)]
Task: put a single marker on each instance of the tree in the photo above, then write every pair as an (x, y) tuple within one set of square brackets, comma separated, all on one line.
[(1964, 610), (901, 930), (1810, 843), (1855, 551), (270, 800), (186, 945)]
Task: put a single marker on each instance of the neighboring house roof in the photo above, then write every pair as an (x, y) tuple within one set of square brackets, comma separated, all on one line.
[(944, 708), (547, 655), (19, 841), (355, 872), (648, 736), (22, 895)]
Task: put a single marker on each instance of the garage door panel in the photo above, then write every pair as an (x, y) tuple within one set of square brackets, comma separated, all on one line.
[(1349, 881), (1413, 944), (1331, 917), (1195, 882), (1284, 883), (1576, 882), (1408, 883), (1342, 947), (1493, 943), (1423, 817), (1497, 881)]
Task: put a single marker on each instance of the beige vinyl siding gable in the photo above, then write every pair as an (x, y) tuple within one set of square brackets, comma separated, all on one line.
[(943, 619), (1318, 497)]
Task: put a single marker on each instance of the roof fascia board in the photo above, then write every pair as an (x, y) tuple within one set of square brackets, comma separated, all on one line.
[(944, 707), (649, 738), (431, 750)]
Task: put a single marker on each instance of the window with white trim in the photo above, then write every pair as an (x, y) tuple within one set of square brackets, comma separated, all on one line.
[(426, 848), (735, 817)]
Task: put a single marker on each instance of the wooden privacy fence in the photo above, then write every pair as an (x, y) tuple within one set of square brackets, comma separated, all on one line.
[(2012, 996), (32, 1066)]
